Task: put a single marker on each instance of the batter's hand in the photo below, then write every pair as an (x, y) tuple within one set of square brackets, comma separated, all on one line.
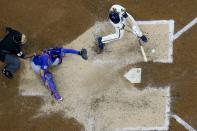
[(144, 39)]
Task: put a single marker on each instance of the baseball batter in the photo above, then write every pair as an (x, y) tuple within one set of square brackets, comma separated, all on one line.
[(118, 18)]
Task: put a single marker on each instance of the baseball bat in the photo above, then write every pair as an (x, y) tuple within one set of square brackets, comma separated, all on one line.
[(143, 52)]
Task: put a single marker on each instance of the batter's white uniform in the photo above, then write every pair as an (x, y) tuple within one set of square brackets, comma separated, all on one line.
[(119, 24)]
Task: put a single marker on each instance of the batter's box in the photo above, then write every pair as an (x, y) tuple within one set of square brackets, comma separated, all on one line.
[(160, 45), (127, 50)]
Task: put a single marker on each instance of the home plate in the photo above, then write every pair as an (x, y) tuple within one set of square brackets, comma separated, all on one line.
[(134, 75)]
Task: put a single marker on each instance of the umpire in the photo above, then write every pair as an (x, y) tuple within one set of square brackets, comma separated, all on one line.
[(10, 51)]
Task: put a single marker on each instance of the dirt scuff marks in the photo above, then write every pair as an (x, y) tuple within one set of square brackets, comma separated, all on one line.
[(17, 112)]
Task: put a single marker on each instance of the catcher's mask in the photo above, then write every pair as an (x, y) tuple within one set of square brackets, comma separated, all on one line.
[(56, 59), (55, 55)]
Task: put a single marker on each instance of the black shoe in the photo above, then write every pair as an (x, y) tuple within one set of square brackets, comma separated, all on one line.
[(7, 74)]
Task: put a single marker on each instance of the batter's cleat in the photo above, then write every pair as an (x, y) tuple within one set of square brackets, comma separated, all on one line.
[(101, 45), (7, 74)]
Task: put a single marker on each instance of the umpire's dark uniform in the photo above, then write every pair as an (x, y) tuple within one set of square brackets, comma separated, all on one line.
[(10, 50)]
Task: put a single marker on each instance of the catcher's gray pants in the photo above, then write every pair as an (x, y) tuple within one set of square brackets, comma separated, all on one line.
[(12, 63)]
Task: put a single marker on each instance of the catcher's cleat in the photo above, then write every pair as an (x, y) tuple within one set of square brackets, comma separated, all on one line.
[(57, 97)]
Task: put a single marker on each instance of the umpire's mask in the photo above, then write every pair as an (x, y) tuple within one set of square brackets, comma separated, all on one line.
[(23, 39)]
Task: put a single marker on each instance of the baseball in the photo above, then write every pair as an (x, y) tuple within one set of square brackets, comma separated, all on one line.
[(153, 50)]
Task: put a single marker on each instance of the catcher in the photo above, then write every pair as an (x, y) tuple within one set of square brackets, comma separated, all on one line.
[(118, 18), (52, 57)]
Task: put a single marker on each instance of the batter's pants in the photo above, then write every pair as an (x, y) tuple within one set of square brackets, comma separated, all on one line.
[(115, 36)]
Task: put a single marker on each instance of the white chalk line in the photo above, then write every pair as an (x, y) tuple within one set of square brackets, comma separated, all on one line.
[(31, 93), (171, 39), (183, 123), (153, 22), (184, 29), (90, 123), (114, 61), (143, 129), (168, 107)]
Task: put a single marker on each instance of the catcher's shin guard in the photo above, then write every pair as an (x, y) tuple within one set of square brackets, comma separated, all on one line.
[(101, 45), (48, 79)]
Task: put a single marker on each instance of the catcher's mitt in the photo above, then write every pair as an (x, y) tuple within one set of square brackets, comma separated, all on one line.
[(84, 54)]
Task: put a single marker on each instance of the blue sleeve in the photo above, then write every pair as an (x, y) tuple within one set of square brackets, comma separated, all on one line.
[(70, 51), (44, 63)]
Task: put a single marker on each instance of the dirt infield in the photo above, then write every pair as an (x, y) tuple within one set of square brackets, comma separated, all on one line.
[(103, 99), (48, 23)]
